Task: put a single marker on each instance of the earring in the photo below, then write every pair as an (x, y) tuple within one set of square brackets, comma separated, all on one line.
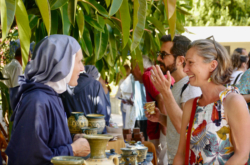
[(209, 80)]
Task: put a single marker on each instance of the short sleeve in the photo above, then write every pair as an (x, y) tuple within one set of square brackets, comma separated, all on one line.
[(149, 85), (243, 85), (189, 93)]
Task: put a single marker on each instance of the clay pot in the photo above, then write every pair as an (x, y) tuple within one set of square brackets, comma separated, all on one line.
[(89, 130), (97, 121), (76, 121), (98, 144), (67, 160)]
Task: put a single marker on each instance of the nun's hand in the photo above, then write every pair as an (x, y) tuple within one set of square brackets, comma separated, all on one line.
[(81, 147), (160, 82), (77, 136)]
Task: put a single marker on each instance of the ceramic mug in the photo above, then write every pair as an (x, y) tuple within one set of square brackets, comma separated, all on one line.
[(150, 107)]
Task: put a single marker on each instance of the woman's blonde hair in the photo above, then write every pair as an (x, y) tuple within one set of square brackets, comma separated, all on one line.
[(211, 50)]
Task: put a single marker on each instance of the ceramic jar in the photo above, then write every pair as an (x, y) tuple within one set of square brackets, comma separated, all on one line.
[(76, 121), (67, 160), (130, 159), (89, 130), (98, 144), (96, 120), (142, 153), (128, 151)]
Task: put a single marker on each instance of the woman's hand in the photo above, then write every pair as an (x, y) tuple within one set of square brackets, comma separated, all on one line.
[(160, 82), (155, 117), (77, 136), (81, 147)]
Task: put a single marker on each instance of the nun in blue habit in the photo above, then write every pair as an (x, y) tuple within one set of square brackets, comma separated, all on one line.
[(88, 96), (40, 129)]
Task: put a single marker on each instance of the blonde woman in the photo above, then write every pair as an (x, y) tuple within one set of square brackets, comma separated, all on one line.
[(219, 131)]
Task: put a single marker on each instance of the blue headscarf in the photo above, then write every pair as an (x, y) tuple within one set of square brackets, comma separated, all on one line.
[(52, 62)]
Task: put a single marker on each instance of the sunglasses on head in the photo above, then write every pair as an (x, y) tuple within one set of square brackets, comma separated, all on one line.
[(163, 54), (214, 44)]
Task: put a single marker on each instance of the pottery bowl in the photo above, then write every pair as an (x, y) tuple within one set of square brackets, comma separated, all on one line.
[(89, 130), (96, 121), (67, 160)]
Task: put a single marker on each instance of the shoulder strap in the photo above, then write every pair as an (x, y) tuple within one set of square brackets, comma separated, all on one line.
[(184, 87), (191, 121), (235, 81)]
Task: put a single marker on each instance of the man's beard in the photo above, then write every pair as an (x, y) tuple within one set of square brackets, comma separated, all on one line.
[(171, 68)]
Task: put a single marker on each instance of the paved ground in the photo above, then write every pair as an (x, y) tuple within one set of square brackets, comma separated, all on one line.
[(117, 119)]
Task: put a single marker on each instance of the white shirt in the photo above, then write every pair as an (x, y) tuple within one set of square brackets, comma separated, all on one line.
[(12, 71), (173, 137), (234, 75)]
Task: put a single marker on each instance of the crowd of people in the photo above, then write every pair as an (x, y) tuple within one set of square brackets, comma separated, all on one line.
[(201, 96)]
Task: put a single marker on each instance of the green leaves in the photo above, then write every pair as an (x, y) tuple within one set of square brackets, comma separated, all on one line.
[(139, 21), (10, 6), (54, 23), (112, 43), (72, 11), (65, 19), (97, 7), (116, 4), (100, 43), (93, 23), (44, 8), (23, 30), (171, 15), (157, 24), (125, 20), (3, 18), (139, 59), (33, 19), (55, 4), (86, 43), (102, 31), (80, 21)]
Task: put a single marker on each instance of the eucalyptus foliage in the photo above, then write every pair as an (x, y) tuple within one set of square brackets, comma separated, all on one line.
[(219, 13), (108, 30)]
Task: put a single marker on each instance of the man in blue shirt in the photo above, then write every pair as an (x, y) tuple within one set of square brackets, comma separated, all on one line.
[(139, 98)]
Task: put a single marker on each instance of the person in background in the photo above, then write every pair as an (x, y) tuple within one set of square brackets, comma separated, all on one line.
[(155, 131), (40, 130), (243, 84), (12, 70), (139, 97), (219, 131), (171, 59), (241, 51), (248, 61), (90, 70), (240, 65), (119, 95), (88, 96)]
